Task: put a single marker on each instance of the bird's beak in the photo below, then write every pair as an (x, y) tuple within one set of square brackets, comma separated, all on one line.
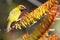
[(24, 9)]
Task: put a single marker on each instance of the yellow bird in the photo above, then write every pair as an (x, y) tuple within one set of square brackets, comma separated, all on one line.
[(14, 15)]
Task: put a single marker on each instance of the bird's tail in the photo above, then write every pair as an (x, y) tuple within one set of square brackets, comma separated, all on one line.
[(8, 26)]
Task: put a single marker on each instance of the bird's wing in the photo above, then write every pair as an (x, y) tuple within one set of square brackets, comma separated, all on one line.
[(13, 13)]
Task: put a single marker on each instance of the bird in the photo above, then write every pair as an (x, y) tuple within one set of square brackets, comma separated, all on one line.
[(14, 15)]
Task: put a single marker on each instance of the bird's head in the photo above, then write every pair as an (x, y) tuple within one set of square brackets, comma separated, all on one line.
[(22, 7)]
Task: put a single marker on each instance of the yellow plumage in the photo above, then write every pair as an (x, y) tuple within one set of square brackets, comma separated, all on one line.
[(14, 15)]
